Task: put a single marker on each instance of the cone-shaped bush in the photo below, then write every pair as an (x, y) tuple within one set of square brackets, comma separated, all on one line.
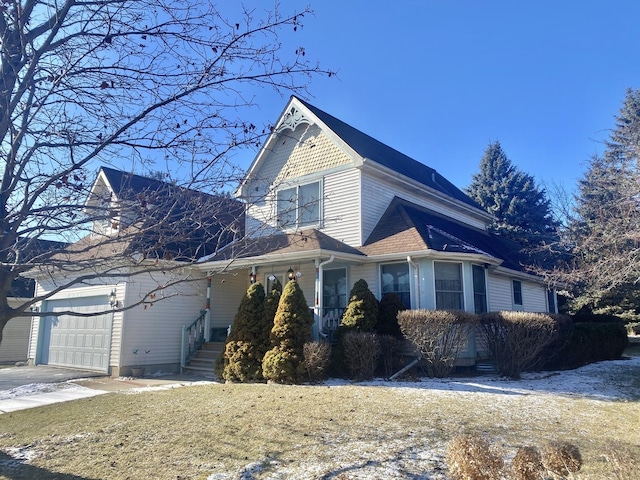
[(390, 305), (246, 345), (284, 363), (362, 311)]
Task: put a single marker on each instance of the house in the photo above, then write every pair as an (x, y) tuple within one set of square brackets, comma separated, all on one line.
[(327, 205)]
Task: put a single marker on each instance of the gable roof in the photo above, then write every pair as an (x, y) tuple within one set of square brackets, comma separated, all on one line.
[(406, 227), (370, 148)]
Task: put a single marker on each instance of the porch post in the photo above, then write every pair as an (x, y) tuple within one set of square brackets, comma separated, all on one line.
[(207, 315)]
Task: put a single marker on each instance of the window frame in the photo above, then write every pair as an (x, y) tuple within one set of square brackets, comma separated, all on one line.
[(460, 292), (404, 295), (517, 292), (485, 301), (297, 213)]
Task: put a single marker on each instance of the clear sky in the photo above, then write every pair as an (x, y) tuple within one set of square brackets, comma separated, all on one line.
[(440, 79)]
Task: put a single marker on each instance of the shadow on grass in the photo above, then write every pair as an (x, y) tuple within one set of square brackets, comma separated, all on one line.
[(17, 469)]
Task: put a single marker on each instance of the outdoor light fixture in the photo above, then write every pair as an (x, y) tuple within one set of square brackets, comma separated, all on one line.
[(113, 300), (291, 274), (252, 278)]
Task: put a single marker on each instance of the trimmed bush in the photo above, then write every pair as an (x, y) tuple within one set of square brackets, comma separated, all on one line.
[(390, 346), (361, 352), (594, 338), (317, 356), (362, 310), (516, 339), (527, 464), (246, 343), (438, 335), (390, 305), (472, 457), (291, 330), (561, 458)]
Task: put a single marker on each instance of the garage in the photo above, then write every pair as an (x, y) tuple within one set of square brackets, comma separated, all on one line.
[(77, 341)]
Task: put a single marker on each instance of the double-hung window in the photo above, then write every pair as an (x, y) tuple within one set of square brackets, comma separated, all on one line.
[(479, 289), (299, 206), (448, 280)]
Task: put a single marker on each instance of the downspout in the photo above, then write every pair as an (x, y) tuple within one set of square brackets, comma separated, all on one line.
[(416, 280), (318, 302)]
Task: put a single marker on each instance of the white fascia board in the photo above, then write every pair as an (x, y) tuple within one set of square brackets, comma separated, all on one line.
[(275, 258), (436, 255), (388, 173)]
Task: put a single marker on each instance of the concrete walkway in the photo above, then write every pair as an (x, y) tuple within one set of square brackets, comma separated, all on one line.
[(29, 387)]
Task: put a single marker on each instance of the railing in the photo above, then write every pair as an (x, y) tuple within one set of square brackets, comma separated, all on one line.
[(193, 337), (330, 321)]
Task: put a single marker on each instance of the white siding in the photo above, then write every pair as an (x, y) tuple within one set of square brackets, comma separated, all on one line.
[(500, 297), (369, 273), (158, 328), (227, 290), (377, 194), (15, 339), (303, 153), (341, 202), (534, 297)]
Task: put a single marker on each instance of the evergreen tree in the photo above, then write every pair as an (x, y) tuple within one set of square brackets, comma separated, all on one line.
[(522, 210), (390, 305), (245, 346), (605, 232), (362, 310), (284, 363)]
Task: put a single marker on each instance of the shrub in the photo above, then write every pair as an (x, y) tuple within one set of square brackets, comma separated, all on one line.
[(362, 310), (516, 339), (317, 356), (361, 351), (283, 365), (593, 341), (550, 357), (245, 346), (291, 330), (387, 324), (527, 464), (561, 458), (438, 335), (472, 457), (390, 346)]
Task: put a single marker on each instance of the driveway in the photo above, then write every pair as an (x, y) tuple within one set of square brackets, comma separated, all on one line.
[(29, 387), (14, 377)]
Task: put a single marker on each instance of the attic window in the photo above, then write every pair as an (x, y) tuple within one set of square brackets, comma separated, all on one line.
[(299, 206)]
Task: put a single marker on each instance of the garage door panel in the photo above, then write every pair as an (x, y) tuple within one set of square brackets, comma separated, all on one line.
[(76, 341)]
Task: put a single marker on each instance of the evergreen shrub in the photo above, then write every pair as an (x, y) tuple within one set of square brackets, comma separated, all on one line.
[(438, 335), (361, 352), (362, 310), (284, 363), (390, 305), (245, 346), (516, 339)]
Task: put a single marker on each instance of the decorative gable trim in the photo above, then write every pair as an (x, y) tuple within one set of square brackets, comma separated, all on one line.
[(292, 118)]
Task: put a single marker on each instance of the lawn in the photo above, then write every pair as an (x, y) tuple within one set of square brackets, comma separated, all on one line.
[(332, 431)]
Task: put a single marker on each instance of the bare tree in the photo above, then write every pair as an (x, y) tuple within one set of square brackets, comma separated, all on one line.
[(165, 84)]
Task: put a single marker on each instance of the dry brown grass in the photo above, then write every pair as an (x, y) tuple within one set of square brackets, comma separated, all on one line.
[(300, 432)]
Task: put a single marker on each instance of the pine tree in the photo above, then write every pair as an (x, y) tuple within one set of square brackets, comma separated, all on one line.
[(244, 349), (605, 232), (522, 210), (284, 363)]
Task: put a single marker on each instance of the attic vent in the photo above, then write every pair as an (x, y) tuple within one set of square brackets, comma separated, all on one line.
[(292, 119)]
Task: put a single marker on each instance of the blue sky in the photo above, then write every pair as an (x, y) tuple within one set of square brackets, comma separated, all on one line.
[(440, 79)]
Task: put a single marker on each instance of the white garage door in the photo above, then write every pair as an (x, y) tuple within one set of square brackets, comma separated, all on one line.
[(79, 342)]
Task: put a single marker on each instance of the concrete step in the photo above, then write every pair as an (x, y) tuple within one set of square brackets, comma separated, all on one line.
[(213, 346), (199, 371), (202, 362)]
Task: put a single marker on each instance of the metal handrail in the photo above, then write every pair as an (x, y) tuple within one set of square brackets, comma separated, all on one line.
[(193, 336)]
